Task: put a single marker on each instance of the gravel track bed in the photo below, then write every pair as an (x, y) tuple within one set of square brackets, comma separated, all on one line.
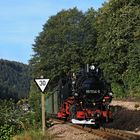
[(66, 132)]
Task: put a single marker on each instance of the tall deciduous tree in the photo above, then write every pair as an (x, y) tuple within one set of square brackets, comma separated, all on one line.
[(118, 25), (64, 44)]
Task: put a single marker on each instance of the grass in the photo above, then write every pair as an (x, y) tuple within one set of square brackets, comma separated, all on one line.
[(33, 135)]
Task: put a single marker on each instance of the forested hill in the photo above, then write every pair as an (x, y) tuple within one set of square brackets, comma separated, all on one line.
[(14, 80)]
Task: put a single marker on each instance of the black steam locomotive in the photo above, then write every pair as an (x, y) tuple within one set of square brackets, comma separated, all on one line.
[(85, 98)]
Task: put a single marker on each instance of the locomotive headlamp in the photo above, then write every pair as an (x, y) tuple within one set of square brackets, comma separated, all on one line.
[(73, 82), (92, 67), (110, 94)]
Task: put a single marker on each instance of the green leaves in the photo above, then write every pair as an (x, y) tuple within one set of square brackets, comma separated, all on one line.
[(109, 36), (8, 120), (118, 25), (64, 43), (14, 80)]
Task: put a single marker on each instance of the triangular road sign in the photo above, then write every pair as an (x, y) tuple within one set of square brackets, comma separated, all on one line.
[(42, 83)]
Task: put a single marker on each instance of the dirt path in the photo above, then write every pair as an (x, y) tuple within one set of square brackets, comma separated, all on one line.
[(66, 132), (130, 105)]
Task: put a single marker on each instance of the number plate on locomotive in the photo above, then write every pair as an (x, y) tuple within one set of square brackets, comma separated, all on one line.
[(93, 91)]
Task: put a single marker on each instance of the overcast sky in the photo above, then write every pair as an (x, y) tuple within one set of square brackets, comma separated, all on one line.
[(22, 20)]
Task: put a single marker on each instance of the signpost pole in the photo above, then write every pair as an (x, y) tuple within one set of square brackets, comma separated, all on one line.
[(43, 113), (42, 83)]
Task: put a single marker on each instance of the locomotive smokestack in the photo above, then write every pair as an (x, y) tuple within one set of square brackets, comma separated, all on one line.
[(87, 68)]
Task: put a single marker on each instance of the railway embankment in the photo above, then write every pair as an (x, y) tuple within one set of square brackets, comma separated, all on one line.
[(61, 130), (126, 115), (67, 132)]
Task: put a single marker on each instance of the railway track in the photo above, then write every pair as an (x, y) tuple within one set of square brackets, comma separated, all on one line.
[(106, 134), (122, 134)]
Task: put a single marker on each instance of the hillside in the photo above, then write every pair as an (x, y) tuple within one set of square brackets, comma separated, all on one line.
[(14, 80)]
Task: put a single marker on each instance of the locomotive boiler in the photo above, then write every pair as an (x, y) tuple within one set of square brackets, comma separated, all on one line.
[(85, 98)]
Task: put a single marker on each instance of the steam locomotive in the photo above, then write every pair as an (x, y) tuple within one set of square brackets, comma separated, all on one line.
[(85, 98)]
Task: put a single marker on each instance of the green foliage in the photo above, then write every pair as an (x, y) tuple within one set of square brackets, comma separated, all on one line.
[(9, 125), (118, 89), (35, 103), (109, 36), (64, 44), (118, 26), (14, 80), (14, 120), (9, 130)]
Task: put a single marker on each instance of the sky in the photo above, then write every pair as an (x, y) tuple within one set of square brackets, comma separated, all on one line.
[(22, 20)]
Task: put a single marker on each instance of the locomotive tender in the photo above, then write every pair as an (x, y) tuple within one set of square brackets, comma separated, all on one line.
[(88, 98)]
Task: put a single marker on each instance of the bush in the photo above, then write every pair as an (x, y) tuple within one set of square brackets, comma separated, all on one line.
[(9, 126), (9, 130), (118, 90)]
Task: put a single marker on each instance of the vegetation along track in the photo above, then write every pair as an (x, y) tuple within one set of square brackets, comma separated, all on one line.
[(107, 134)]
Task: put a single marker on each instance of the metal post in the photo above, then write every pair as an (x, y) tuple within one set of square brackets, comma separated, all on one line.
[(87, 68), (53, 103), (43, 113)]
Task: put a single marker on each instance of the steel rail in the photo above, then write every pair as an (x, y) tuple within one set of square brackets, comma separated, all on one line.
[(106, 134)]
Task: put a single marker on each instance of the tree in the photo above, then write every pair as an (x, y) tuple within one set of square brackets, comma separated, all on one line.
[(118, 32), (14, 80), (64, 44)]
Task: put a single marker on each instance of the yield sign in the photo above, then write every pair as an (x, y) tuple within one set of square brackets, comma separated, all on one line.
[(42, 83)]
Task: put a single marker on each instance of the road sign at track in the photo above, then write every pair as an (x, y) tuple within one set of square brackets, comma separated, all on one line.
[(42, 83)]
